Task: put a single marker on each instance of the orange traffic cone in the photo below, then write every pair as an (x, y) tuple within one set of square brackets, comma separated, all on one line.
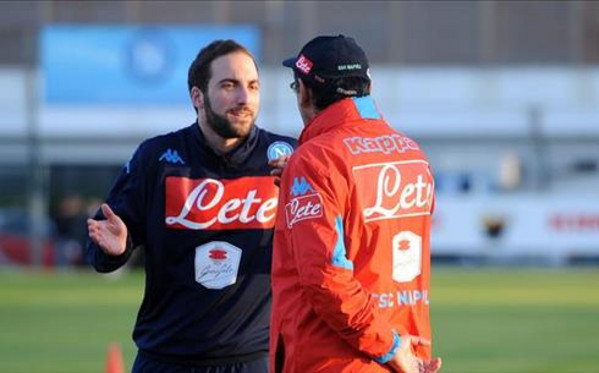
[(114, 359)]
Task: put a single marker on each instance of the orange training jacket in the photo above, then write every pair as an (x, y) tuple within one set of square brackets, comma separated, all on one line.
[(351, 257)]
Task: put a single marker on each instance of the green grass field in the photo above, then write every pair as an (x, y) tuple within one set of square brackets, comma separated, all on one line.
[(484, 320)]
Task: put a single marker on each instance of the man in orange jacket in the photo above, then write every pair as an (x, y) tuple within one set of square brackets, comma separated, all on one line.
[(351, 260)]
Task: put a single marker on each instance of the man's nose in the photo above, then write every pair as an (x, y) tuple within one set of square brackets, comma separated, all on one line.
[(244, 95)]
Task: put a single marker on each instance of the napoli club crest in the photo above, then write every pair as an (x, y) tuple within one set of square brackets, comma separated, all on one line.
[(278, 149)]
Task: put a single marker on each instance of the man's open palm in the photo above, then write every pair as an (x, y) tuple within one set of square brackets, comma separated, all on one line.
[(405, 361), (109, 234)]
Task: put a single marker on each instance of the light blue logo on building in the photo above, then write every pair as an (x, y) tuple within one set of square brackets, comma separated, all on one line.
[(171, 156), (127, 64), (300, 187), (149, 55), (278, 149)]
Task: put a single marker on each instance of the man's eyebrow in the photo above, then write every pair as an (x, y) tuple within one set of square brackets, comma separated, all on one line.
[(228, 80), (236, 81)]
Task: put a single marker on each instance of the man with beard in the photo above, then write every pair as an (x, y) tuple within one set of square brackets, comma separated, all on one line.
[(202, 202)]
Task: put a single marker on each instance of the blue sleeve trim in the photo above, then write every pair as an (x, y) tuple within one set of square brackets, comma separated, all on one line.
[(366, 107), (389, 355), (339, 254)]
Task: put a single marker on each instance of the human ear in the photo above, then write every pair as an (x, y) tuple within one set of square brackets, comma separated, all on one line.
[(197, 98), (304, 94)]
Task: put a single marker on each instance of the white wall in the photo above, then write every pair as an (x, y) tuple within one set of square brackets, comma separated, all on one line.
[(429, 102)]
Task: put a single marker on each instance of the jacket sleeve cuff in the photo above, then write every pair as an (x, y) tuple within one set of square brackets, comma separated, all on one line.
[(389, 355)]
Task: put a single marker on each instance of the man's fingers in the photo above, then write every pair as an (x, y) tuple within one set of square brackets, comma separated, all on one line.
[(94, 233), (279, 162), (107, 211), (282, 159), (433, 366), (92, 226), (419, 341)]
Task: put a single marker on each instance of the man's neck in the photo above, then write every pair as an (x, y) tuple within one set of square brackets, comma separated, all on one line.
[(217, 143)]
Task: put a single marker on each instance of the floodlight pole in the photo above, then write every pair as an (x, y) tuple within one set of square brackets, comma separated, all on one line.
[(36, 195)]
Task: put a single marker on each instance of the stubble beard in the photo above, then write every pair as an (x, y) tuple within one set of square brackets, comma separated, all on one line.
[(223, 126)]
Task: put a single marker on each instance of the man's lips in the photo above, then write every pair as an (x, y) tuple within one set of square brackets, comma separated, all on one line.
[(241, 113)]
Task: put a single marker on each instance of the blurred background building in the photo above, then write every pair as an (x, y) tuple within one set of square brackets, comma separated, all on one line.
[(503, 96)]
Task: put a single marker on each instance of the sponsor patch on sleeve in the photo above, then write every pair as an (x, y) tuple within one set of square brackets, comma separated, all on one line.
[(305, 204)]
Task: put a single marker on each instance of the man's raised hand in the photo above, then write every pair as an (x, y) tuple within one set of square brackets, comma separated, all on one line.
[(109, 234)]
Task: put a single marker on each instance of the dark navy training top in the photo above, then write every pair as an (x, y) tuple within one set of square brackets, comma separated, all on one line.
[(206, 223)]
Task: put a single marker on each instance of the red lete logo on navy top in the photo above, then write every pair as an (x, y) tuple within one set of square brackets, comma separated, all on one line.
[(242, 203)]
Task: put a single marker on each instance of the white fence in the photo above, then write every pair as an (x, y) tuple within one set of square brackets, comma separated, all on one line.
[(556, 227)]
